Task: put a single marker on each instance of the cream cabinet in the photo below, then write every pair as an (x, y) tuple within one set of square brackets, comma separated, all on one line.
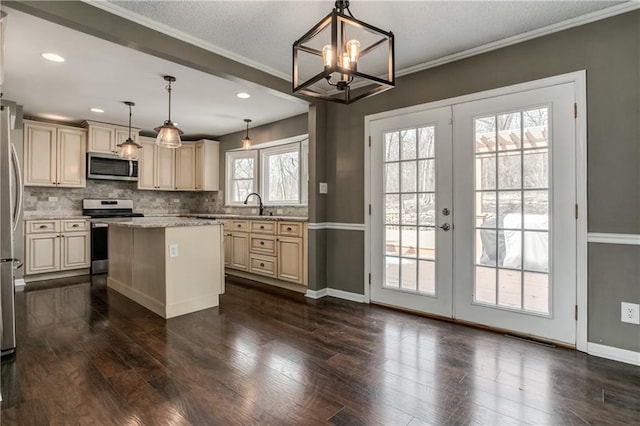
[(104, 138), (57, 245), (156, 166), (197, 166), (273, 249), (54, 155), (186, 167)]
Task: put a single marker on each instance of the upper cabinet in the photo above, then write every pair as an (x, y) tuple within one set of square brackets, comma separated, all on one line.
[(104, 138), (54, 155), (156, 166), (192, 167)]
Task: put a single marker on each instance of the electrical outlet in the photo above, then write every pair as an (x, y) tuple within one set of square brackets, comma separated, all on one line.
[(254, 211), (324, 188), (279, 211), (176, 200), (53, 199), (173, 250), (630, 313)]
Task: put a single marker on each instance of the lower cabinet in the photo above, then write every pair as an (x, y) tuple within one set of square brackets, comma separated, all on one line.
[(274, 249), (57, 245)]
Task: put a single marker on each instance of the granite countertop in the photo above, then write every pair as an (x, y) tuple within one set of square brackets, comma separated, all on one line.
[(246, 217), (156, 222), (53, 216)]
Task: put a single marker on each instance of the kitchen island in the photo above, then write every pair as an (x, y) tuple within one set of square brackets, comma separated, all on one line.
[(170, 265)]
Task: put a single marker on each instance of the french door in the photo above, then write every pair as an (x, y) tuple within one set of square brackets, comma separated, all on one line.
[(473, 212)]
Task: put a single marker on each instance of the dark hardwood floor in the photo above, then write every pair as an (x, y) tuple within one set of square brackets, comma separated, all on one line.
[(88, 355)]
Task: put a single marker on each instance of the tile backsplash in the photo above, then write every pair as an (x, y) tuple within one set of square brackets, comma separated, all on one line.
[(37, 200)]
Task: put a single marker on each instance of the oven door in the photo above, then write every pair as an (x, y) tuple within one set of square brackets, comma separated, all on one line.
[(99, 248)]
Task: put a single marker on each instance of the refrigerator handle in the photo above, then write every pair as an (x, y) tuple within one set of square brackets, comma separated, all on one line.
[(17, 211)]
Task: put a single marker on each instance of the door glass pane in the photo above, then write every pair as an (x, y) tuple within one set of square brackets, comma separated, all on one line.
[(427, 276), (512, 208), (410, 200), (408, 176), (392, 177), (408, 274)]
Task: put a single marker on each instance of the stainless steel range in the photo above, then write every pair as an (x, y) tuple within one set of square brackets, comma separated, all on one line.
[(99, 236)]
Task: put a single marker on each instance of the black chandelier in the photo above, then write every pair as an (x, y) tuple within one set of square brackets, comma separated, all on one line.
[(355, 59)]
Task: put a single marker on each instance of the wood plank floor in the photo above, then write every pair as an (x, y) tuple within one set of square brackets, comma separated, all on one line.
[(88, 355)]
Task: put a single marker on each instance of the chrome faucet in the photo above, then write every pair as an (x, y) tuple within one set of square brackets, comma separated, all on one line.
[(259, 199)]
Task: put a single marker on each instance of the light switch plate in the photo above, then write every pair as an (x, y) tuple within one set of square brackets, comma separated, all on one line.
[(173, 250), (324, 188)]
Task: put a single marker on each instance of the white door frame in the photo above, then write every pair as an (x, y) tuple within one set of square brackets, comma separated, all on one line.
[(579, 80)]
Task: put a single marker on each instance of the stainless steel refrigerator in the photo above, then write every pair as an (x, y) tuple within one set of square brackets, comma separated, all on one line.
[(11, 196)]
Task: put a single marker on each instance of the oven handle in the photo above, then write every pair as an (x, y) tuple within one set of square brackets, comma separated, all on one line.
[(99, 225)]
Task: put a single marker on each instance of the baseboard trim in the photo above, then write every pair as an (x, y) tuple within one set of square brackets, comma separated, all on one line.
[(608, 238), (615, 354), (339, 294), (192, 305), (155, 306), (316, 294), (19, 283)]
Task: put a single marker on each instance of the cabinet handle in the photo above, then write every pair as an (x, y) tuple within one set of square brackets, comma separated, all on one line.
[(288, 228), (42, 226), (239, 226), (75, 225), (261, 226), (261, 243), (262, 264)]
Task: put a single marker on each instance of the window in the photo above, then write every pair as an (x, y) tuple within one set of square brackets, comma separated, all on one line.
[(241, 175), (282, 177)]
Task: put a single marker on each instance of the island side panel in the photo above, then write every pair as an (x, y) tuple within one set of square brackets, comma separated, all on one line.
[(149, 267), (194, 278), (120, 243)]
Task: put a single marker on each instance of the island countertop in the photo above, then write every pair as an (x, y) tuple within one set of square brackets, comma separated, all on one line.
[(156, 222)]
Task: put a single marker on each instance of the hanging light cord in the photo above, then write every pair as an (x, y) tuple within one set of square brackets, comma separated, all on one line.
[(169, 90), (130, 122)]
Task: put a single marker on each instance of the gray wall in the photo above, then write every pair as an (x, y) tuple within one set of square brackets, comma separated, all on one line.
[(609, 51)]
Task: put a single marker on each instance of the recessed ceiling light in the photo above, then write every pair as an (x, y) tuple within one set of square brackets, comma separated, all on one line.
[(243, 95), (53, 57), (99, 110)]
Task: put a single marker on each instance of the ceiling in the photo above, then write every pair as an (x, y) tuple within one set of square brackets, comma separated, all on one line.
[(101, 74)]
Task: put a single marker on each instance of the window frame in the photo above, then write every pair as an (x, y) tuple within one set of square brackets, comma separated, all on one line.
[(283, 145), (264, 172), (230, 158)]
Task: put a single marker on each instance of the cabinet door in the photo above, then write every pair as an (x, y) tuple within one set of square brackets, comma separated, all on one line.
[(290, 259), (199, 159), (75, 250), (71, 158), (227, 249), (42, 253), (102, 139), (40, 146), (146, 166), (165, 168), (239, 258), (185, 167)]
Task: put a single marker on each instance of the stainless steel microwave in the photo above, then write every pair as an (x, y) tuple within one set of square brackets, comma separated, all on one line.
[(111, 167)]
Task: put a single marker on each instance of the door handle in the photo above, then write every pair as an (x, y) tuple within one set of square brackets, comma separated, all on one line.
[(445, 227)]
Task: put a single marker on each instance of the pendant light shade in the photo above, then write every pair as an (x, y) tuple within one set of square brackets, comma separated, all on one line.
[(129, 148), (342, 59), (168, 133), (246, 142)]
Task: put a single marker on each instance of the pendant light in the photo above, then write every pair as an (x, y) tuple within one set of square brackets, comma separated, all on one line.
[(168, 133), (246, 142), (335, 72), (129, 148)]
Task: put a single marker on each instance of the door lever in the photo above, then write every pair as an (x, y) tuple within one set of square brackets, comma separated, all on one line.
[(445, 227)]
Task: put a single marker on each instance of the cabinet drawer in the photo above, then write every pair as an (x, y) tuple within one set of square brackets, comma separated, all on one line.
[(42, 226), (263, 265), (239, 225), (75, 225), (262, 244), (291, 229), (263, 227)]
